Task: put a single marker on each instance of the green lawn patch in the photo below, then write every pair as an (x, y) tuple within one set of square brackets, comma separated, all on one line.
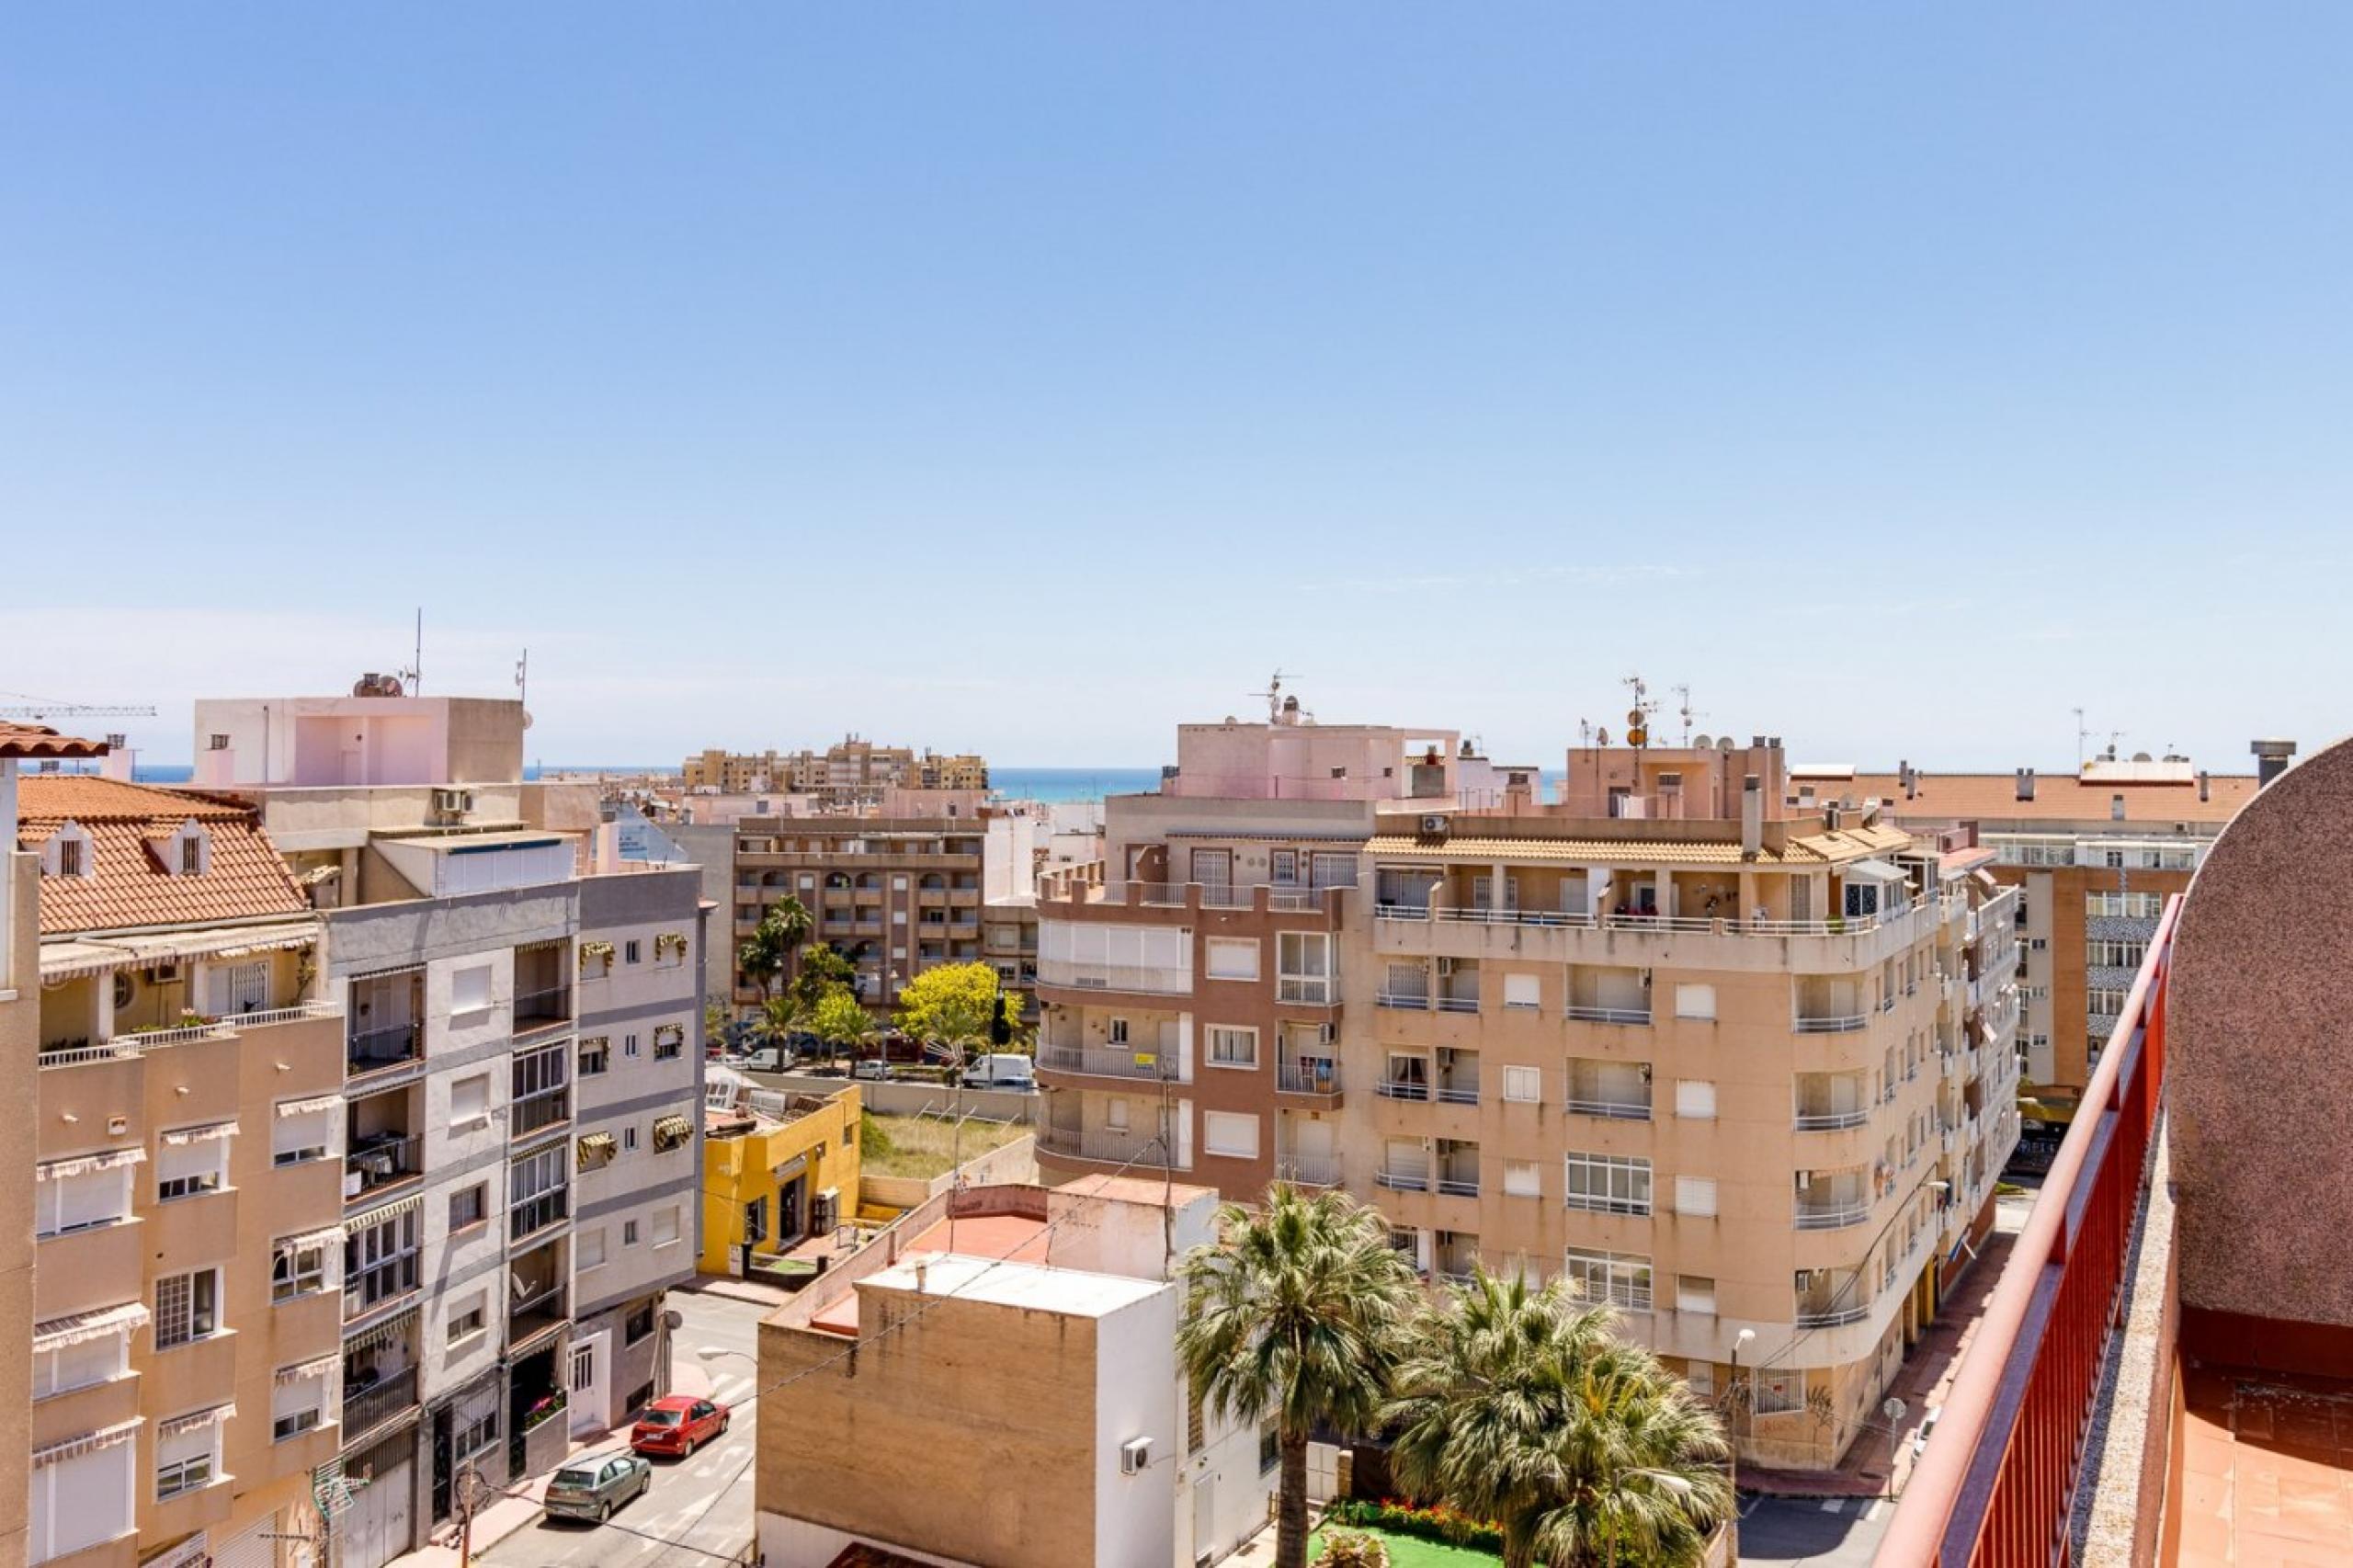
[(1410, 1552)]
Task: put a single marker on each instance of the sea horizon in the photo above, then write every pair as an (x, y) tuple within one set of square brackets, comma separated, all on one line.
[(1044, 784)]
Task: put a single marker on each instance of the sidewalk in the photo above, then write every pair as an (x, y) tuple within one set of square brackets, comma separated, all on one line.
[(688, 1376), (1880, 1460)]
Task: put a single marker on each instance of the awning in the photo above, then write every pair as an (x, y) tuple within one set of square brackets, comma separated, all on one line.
[(673, 1127), (317, 1367), (596, 1147), (305, 1107), (91, 955), (332, 1235), (384, 1333), (111, 1436), (194, 1420), (83, 1164), (80, 1328), (374, 1217), (361, 976), (792, 1167), (180, 1137), (1869, 871)]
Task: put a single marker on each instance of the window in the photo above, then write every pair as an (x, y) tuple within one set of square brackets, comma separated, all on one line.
[(596, 1056), (666, 1225), (297, 1267), (1520, 990), (1230, 958), (672, 1132), (91, 1362), (1231, 1047), (1228, 1134), (1116, 1031), (1695, 1196), (1523, 1178), (380, 1263), (477, 1423), (1695, 1293), (2100, 954), (303, 1130), (629, 1138), (1303, 967), (1610, 1183), (588, 1248), (298, 1402), (1620, 1279), (630, 951), (629, 1233), (538, 1085), (628, 1046), (1115, 1114), (469, 1207), (1282, 868), (1270, 1446), (69, 855), (669, 1041), (538, 1191), (470, 989), (467, 1320), (83, 1500), (186, 1459), (1695, 1097), (188, 1307), (1524, 1086), (192, 1162), (639, 1325), (2104, 1000), (86, 1199), (1695, 1002), (470, 1100)]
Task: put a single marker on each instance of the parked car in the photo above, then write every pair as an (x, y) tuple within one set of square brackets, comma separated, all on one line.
[(593, 1487), (999, 1070), (676, 1425), (871, 1069)]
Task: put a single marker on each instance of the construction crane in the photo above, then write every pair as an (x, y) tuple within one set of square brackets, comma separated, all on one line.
[(39, 709)]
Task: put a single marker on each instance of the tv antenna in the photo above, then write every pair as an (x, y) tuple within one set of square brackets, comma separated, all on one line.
[(1638, 716), (1274, 696), (2082, 733), (1685, 712), (412, 678)]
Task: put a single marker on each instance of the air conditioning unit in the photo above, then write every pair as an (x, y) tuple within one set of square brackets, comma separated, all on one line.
[(1805, 1178), (1446, 966), (1135, 1456), (452, 802), (1805, 1278), (1434, 826)]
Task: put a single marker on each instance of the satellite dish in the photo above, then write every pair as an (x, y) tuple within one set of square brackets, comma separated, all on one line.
[(1601, 737), (2143, 756), (1635, 718), (1725, 744), (1893, 1409), (1705, 743), (527, 718), (1637, 736)]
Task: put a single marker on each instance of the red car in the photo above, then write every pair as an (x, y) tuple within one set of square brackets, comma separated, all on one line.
[(677, 1425)]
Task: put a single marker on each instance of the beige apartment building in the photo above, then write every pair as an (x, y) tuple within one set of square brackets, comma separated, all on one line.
[(1744, 1071), (187, 1203), (2094, 856), (895, 895), (850, 771)]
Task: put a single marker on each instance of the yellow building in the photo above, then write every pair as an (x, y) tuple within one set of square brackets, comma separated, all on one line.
[(777, 1169)]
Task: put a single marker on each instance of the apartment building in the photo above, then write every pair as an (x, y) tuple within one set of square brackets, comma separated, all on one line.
[(1191, 998), (895, 895), (1093, 1452), (521, 1076), (2094, 855), (186, 1194), (850, 771)]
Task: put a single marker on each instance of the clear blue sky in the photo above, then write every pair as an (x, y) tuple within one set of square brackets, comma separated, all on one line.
[(1901, 377)]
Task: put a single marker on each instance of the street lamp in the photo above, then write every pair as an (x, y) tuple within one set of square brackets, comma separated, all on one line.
[(1745, 1338)]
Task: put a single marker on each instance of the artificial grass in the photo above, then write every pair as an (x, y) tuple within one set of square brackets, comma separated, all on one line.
[(1412, 1551)]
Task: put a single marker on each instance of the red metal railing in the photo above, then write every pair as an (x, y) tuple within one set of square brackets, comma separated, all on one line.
[(1996, 1485)]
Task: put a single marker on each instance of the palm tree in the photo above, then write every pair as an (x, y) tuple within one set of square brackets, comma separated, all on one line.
[(1522, 1405), (768, 951), (1295, 1313)]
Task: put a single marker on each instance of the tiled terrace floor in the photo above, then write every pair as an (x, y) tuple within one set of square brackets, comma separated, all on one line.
[(2267, 1477)]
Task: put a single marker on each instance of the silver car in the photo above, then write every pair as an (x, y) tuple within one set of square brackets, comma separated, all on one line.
[(592, 1488)]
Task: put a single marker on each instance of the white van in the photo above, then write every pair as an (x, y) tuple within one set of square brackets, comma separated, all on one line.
[(999, 1070)]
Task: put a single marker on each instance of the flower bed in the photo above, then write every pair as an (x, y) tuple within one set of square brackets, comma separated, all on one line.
[(1398, 1516)]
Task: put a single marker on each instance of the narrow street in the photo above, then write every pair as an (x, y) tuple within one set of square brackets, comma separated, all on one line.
[(698, 1510)]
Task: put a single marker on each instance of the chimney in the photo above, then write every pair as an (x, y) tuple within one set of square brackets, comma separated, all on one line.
[(1911, 783), (2205, 785), (2270, 759), (2025, 783), (1752, 816)]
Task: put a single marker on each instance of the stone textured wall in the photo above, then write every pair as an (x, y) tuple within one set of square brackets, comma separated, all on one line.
[(2260, 1026)]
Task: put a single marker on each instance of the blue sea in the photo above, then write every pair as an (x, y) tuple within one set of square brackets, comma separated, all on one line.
[(1017, 783)]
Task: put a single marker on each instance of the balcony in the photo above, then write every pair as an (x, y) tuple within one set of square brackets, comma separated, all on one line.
[(1402, 1180), (1309, 1075), (1833, 1023), (383, 1048), (1585, 1014), (1139, 980), (537, 1112), (1833, 1215), (1308, 1170), (1403, 1089), (548, 1007), (381, 1162), (540, 1212), (1106, 1061), (1751, 945), (379, 1404), (1831, 1120), (1103, 1146), (1309, 990), (1610, 1110)]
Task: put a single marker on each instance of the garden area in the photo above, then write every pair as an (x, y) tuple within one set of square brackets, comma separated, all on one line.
[(924, 1146), (1411, 1551)]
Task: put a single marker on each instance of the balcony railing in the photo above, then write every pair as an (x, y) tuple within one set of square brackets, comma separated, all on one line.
[(1459, 1186), (1307, 990), (1587, 1015), (1412, 1001), (1833, 1215), (1842, 1023), (388, 1045), (543, 1009), (1104, 1145), (371, 1407), (1616, 1110), (380, 1163), (1317, 1077), (538, 1111), (1832, 1120), (1402, 1089), (1458, 1091), (1309, 1170), (1403, 1181), (537, 1213), (1998, 1484), (1150, 980), (1458, 1003), (1106, 1062), (123, 1049), (1831, 1315), (1721, 926)]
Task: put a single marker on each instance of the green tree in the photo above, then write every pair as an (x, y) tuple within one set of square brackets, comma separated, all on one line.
[(1523, 1406), (950, 1006), (841, 1023), (769, 950), (778, 1014), (822, 971), (1295, 1313)]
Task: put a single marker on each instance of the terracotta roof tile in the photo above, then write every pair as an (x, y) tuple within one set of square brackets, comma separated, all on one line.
[(2059, 797), (132, 887), (41, 740)]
